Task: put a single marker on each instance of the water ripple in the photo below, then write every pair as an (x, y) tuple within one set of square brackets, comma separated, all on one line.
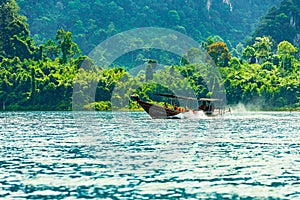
[(52, 155)]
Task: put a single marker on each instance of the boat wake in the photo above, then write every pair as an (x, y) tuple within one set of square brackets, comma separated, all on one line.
[(192, 115)]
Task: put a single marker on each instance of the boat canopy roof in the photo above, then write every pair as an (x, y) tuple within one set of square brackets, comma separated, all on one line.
[(187, 98)]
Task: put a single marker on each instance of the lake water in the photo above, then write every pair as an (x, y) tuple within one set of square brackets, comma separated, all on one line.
[(126, 155)]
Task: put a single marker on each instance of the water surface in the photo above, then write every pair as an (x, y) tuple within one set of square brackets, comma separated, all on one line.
[(126, 155)]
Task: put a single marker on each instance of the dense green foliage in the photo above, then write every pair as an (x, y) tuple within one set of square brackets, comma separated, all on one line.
[(14, 33), (48, 85), (264, 73), (273, 83), (281, 23), (93, 21)]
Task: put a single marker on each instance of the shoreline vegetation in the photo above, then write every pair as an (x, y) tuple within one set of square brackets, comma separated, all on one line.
[(284, 110), (264, 73)]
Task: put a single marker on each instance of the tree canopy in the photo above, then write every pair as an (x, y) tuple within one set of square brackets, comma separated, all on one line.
[(281, 23), (14, 32), (264, 73), (93, 21)]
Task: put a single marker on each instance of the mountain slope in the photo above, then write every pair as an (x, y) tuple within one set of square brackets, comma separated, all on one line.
[(281, 23), (93, 21)]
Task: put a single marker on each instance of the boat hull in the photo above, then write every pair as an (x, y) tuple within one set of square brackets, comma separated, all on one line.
[(158, 112)]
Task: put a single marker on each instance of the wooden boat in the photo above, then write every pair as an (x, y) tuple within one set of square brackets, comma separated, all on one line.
[(174, 112)]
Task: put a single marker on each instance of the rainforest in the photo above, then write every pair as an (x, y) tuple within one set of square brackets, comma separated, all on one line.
[(254, 45)]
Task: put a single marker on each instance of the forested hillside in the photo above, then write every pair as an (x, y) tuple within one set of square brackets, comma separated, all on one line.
[(281, 23), (93, 21), (263, 73)]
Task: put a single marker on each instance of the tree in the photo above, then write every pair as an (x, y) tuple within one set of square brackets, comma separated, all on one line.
[(14, 32), (234, 63), (285, 48), (262, 46), (280, 23), (286, 52), (238, 50), (210, 40), (67, 47), (84, 62), (50, 49), (173, 17), (249, 54), (219, 53)]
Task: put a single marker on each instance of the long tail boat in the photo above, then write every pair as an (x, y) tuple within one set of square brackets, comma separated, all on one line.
[(174, 112)]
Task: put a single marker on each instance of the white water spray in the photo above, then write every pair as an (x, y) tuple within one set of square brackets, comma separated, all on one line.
[(193, 115)]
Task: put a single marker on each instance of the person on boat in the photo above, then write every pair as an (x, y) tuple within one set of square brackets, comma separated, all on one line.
[(212, 107), (165, 105), (175, 106), (203, 106), (209, 106)]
